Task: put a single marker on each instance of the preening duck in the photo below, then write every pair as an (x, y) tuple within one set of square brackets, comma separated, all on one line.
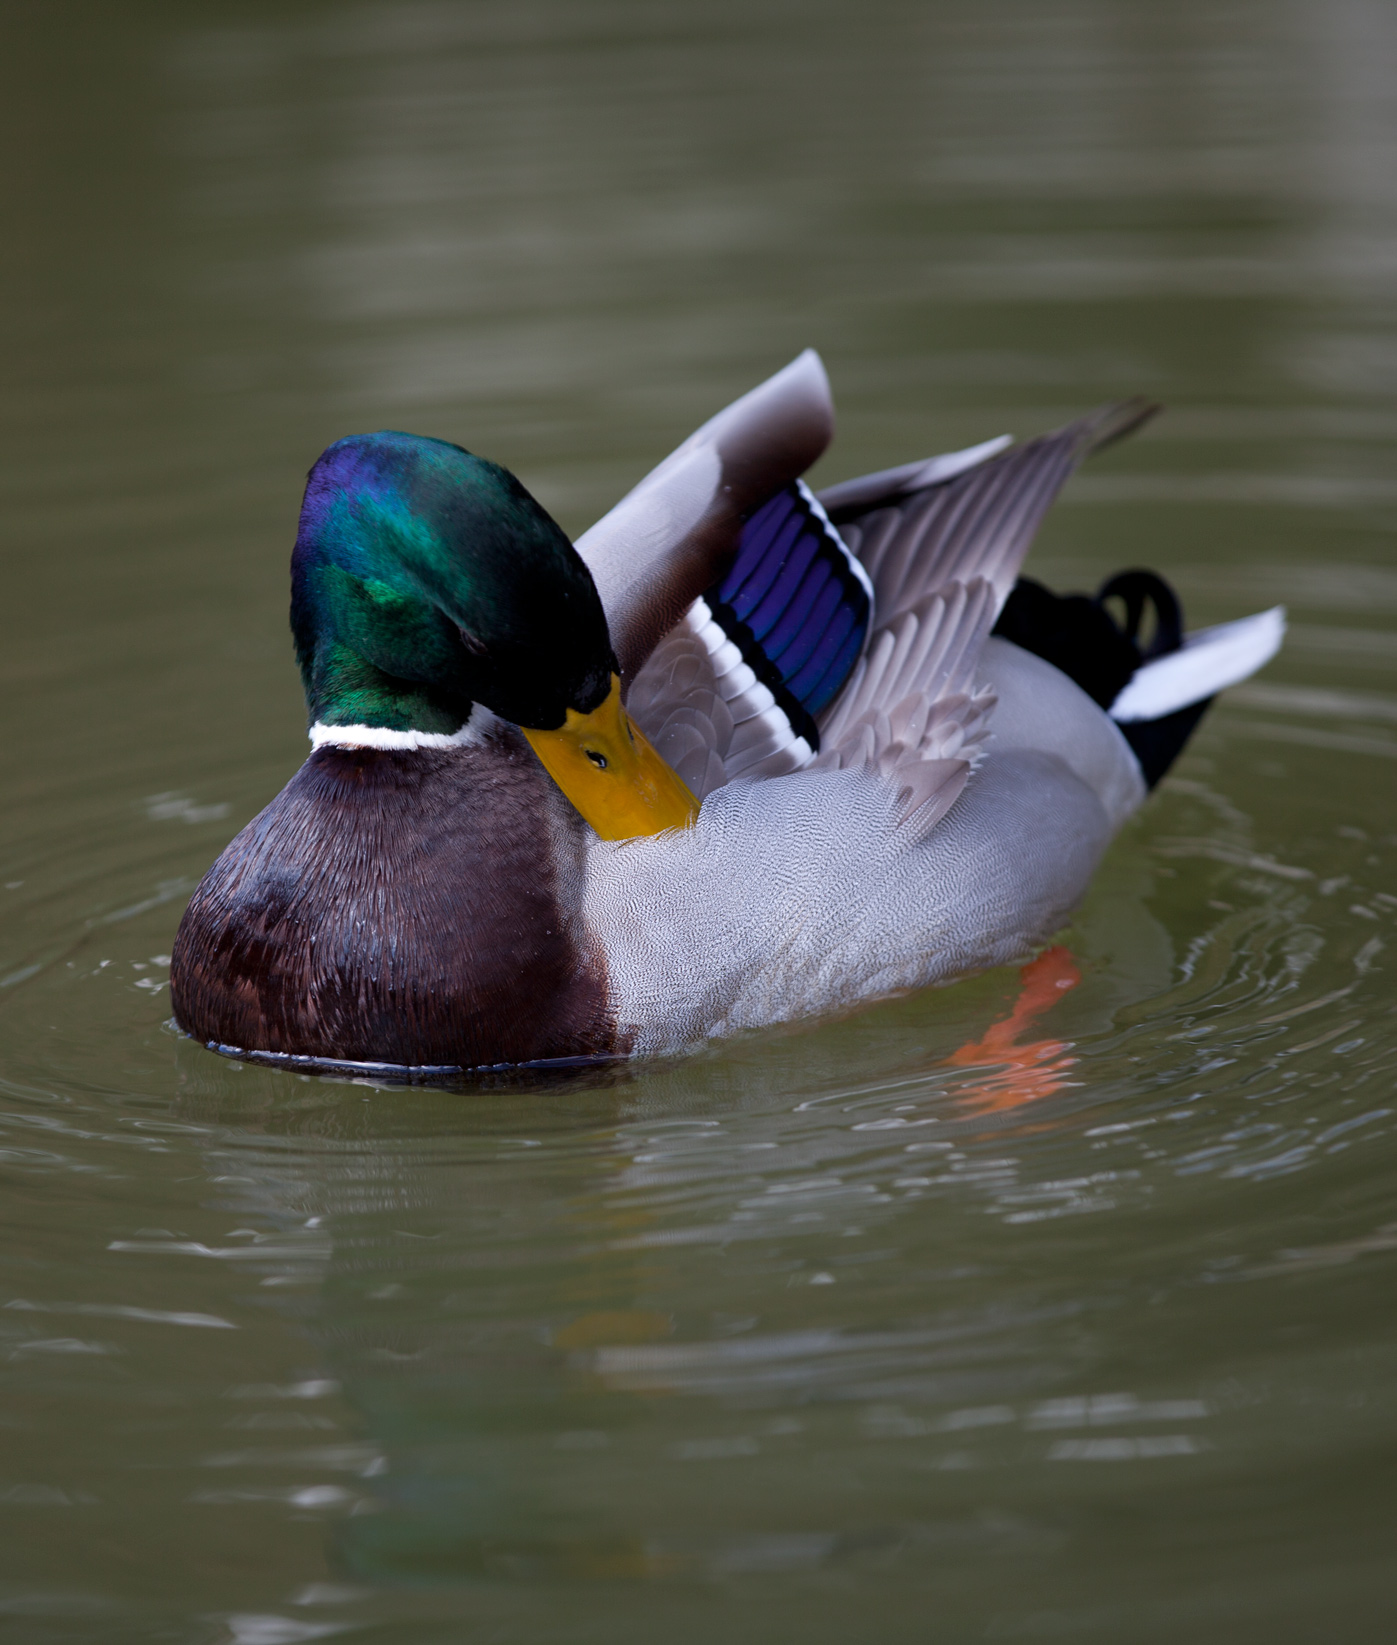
[(743, 754)]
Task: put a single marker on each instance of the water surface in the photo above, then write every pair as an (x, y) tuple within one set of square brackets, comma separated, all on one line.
[(821, 1335)]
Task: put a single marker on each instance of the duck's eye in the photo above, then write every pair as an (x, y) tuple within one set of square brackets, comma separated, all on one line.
[(598, 760)]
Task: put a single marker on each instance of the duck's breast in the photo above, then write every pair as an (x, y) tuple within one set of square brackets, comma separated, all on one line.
[(411, 908)]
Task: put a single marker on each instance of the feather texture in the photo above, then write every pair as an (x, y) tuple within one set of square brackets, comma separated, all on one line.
[(912, 710), (810, 893), (703, 707), (667, 540), (940, 544), (869, 489), (942, 560), (733, 690), (979, 523), (1209, 660)]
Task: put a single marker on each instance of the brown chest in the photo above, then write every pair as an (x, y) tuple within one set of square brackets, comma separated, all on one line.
[(414, 908)]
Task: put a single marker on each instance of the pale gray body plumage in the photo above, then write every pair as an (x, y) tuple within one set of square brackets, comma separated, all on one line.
[(962, 796), (806, 893)]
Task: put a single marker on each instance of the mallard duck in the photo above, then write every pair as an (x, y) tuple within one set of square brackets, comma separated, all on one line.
[(742, 754)]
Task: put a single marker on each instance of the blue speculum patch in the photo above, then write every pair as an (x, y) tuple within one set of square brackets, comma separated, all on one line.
[(796, 603)]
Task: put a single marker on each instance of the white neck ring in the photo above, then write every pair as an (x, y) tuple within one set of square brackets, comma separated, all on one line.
[(474, 732)]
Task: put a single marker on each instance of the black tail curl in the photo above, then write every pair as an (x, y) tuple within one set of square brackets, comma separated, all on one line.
[(1078, 634)]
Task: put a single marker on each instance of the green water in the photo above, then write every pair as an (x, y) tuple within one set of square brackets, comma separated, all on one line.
[(812, 1337)]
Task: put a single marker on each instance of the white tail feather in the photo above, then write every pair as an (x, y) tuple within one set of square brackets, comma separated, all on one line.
[(1209, 661)]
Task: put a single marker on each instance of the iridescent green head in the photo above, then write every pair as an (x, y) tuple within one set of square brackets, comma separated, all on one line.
[(425, 580)]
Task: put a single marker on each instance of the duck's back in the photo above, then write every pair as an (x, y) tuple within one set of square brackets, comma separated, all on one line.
[(401, 907)]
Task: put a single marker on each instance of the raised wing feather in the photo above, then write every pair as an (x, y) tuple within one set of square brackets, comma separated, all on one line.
[(677, 702), (941, 542), (911, 711), (773, 641), (979, 523), (697, 683), (796, 602), (942, 560), (871, 489), (676, 533)]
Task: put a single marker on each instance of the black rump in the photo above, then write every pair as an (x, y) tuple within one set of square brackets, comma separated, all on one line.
[(1077, 634)]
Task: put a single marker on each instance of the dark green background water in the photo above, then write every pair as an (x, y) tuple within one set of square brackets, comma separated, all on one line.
[(798, 1340)]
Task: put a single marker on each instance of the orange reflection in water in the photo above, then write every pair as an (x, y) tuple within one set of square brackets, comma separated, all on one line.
[(1022, 1073)]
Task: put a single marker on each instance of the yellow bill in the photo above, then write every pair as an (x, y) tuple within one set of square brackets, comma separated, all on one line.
[(604, 765)]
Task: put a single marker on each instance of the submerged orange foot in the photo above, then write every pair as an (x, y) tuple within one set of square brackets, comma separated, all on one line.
[(1024, 1073)]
